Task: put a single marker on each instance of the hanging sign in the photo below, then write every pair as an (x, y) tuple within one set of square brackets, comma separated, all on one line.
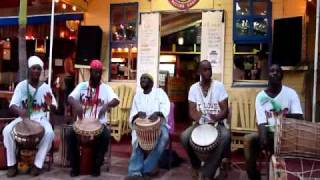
[(212, 40), (149, 46), (183, 4)]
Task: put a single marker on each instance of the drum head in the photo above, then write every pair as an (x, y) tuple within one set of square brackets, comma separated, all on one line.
[(146, 122), (28, 128), (204, 135), (88, 124)]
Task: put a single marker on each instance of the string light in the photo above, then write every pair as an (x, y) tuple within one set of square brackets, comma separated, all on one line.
[(64, 6)]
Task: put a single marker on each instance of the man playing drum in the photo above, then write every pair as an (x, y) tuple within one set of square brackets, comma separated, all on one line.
[(276, 100), (31, 100), (91, 99), (208, 103), (152, 103)]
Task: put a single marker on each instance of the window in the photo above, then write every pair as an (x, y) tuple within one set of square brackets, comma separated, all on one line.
[(252, 38), (123, 41), (252, 21)]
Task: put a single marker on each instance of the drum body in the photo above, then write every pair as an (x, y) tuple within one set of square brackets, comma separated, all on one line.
[(297, 138), (87, 129), (204, 138), (28, 134), (64, 135), (148, 133), (297, 150)]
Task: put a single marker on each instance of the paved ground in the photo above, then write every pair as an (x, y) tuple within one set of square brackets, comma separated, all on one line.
[(119, 165), (118, 171)]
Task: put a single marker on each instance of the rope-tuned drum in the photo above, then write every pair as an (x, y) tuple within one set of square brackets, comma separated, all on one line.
[(87, 129), (204, 139), (148, 132), (28, 133)]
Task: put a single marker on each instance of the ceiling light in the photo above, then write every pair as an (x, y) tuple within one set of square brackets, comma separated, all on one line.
[(74, 8), (56, 1), (180, 40), (64, 6)]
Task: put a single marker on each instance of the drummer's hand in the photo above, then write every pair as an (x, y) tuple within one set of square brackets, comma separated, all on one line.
[(142, 115), (103, 111), (154, 116), (213, 118), (48, 98), (79, 111), (23, 113)]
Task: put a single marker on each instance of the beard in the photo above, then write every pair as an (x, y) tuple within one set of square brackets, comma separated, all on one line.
[(95, 81)]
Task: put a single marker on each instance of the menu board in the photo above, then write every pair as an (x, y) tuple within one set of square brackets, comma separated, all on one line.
[(212, 40), (148, 46)]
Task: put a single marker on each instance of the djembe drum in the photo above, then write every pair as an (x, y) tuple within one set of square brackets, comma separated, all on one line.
[(204, 139), (297, 150), (65, 132), (87, 130), (27, 134), (148, 132)]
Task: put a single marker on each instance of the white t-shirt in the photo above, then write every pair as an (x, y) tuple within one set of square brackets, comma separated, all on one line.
[(156, 100), (39, 108), (268, 108), (91, 100), (209, 104)]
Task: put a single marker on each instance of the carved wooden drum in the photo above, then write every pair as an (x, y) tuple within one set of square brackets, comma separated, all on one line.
[(148, 133), (28, 134), (87, 129)]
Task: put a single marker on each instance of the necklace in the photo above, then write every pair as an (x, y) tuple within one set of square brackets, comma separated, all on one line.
[(205, 97)]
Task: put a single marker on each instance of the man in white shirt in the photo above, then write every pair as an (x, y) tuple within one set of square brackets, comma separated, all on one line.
[(31, 99), (153, 103), (208, 101), (276, 100), (91, 99)]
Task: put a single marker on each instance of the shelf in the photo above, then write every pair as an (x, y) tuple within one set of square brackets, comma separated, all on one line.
[(294, 68), (172, 52)]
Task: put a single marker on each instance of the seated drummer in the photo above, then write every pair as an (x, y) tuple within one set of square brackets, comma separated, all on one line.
[(97, 98), (152, 103), (275, 100), (31, 99), (208, 101)]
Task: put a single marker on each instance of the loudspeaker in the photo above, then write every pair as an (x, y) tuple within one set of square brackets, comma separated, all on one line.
[(89, 44), (287, 40)]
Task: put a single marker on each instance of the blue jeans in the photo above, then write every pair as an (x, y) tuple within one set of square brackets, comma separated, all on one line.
[(138, 164)]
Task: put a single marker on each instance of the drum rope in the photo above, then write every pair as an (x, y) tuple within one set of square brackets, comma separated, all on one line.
[(300, 174)]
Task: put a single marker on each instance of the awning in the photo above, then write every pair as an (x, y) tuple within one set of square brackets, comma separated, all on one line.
[(40, 19)]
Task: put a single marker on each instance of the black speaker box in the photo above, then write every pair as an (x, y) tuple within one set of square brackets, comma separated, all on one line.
[(89, 44), (287, 40)]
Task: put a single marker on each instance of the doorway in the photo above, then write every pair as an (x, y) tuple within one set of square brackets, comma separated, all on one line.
[(179, 55)]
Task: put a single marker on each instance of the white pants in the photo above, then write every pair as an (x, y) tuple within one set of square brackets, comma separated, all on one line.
[(43, 147)]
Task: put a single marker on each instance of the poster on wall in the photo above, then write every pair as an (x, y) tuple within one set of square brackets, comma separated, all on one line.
[(148, 46), (212, 41)]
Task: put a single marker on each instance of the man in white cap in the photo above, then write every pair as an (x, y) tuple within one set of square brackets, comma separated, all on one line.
[(31, 99), (152, 103)]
